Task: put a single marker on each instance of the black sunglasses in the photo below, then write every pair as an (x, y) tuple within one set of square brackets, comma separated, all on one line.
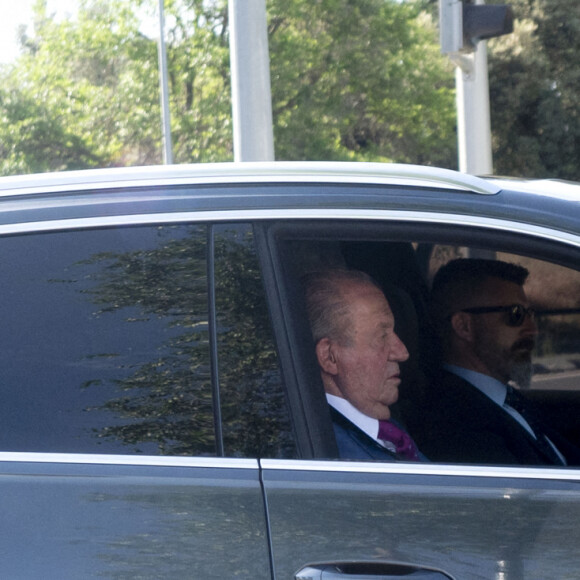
[(516, 313)]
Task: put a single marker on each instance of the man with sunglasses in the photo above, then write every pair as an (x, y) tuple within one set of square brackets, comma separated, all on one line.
[(487, 333)]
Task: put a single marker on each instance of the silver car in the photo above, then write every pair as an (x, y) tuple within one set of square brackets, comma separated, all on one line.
[(162, 414)]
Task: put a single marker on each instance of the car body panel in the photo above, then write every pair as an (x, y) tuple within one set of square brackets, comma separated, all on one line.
[(466, 522), (418, 217), (90, 516)]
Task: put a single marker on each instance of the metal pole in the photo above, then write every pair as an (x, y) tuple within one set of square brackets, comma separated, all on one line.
[(473, 116), (164, 86), (250, 74)]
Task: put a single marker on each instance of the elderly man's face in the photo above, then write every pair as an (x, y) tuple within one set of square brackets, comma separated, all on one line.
[(506, 351), (367, 364)]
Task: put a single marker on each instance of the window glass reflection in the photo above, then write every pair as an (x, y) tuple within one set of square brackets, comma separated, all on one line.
[(104, 345), (254, 412)]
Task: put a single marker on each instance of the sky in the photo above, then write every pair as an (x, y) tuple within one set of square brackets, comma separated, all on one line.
[(16, 12)]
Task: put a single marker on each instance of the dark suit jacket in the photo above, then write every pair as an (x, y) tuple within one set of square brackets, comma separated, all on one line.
[(462, 425), (353, 443)]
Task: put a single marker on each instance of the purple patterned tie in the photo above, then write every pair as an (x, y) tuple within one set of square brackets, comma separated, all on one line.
[(405, 447)]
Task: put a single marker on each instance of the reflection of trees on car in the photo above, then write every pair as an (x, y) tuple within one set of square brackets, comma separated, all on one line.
[(169, 400)]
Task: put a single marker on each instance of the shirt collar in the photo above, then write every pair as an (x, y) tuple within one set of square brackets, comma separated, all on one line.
[(367, 424), (489, 386)]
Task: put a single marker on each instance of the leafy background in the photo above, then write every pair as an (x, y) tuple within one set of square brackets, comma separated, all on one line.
[(351, 80)]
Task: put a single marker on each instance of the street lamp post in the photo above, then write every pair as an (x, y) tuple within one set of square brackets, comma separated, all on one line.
[(250, 73)]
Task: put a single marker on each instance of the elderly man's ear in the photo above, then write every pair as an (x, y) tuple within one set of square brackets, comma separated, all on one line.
[(326, 356), (462, 324)]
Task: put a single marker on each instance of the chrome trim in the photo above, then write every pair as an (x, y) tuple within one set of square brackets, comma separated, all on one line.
[(230, 173), (293, 214), (148, 460), (549, 473)]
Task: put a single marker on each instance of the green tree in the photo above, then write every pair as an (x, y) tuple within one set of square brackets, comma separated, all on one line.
[(85, 92), (534, 85), (361, 81), (352, 80), (198, 57), (33, 138)]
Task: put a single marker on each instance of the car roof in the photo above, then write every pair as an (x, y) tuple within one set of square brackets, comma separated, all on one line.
[(345, 186)]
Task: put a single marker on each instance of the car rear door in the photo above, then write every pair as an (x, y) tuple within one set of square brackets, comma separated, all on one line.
[(112, 431), (89, 516)]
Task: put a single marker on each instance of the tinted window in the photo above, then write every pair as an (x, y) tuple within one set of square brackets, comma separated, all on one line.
[(106, 344), (254, 410)]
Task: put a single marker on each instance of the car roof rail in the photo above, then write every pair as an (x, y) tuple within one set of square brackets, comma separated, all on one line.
[(275, 171)]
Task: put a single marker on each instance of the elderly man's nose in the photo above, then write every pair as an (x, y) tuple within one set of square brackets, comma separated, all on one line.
[(399, 351)]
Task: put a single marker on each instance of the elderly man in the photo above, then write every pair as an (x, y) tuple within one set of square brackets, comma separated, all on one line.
[(359, 354), (487, 333)]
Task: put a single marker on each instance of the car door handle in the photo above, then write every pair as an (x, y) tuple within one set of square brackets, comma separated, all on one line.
[(369, 571)]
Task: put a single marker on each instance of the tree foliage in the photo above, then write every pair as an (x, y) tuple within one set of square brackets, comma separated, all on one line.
[(85, 86), (534, 85), (360, 80), (351, 80)]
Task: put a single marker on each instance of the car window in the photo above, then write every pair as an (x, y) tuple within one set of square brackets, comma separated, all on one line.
[(404, 260), (553, 291), (99, 332), (254, 410), (106, 343)]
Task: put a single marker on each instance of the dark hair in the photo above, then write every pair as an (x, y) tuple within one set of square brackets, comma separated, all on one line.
[(463, 277), (328, 311)]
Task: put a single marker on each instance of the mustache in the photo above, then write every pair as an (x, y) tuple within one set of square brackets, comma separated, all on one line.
[(524, 343)]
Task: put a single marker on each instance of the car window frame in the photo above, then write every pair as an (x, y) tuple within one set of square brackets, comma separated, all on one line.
[(299, 366), (312, 425)]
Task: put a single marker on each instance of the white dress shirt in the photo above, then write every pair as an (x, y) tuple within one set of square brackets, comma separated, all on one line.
[(366, 424)]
